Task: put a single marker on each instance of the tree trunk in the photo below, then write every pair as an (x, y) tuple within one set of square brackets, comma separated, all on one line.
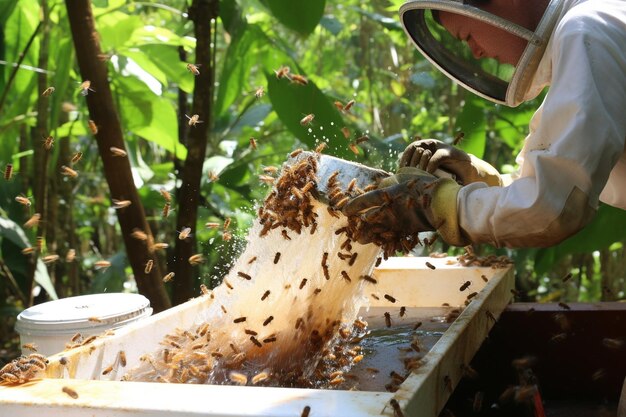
[(202, 13), (117, 170)]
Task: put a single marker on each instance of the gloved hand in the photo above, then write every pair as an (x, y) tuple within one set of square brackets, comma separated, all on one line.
[(431, 154), (409, 202)]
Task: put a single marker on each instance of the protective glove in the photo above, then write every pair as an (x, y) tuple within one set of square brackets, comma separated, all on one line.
[(409, 202), (432, 154)]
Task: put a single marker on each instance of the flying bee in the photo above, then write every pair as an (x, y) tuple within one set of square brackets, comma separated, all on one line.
[(85, 88), (252, 260), (8, 172), (244, 275), (160, 246), (253, 143), (39, 244), (101, 264), (76, 157), (303, 283), (276, 257), (306, 120), (298, 79), (226, 223), (266, 179), (567, 277), (296, 153), (348, 105), (354, 148), (613, 343), (49, 259), (268, 320), (69, 391), (305, 411), (28, 250), (212, 225), (149, 266), (122, 356), (120, 204), (238, 378), (431, 266), (345, 276), (260, 92), (139, 234), (25, 201), (118, 152), (239, 320), (390, 298), (261, 376), (346, 132), (166, 194), (465, 285), (30, 346), (213, 176), (196, 259), (320, 148), (362, 139), (48, 142), (166, 211), (226, 235), (285, 235), (282, 72), (193, 68), (69, 172), (387, 319), (33, 221), (92, 126), (107, 370), (265, 295), (458, 138), (168, 277), (48, 92), (184, 234), (564, 306), (270, 170), (194, 120)]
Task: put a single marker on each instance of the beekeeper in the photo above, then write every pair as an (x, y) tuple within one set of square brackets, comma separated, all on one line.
[(574, 155)]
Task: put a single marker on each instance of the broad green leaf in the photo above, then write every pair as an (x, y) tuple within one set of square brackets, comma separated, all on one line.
[(471, 121), (397, 88), (163, 128), (299, 16), (14, 233), (116, 28), (238, 62), (166, 59), (6, 8), (160, 36), (331, 24), (292, 102), (73, 128), (149, 116), (606, 228), (143, 60)]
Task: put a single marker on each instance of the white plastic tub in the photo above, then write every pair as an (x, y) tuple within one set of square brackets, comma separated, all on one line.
[(51, 325)]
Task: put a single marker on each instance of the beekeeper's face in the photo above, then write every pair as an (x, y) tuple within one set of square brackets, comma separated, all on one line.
[(484, 40)]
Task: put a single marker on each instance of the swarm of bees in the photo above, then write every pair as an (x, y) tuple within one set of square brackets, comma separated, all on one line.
[(23, 369)]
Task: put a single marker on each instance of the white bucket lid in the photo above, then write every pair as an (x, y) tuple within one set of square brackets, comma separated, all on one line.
[(72, 314)]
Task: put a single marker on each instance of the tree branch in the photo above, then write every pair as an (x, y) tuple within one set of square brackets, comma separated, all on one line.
[(117, 171)]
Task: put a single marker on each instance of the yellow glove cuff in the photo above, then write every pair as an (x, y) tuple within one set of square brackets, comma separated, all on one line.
[(444, 212), (487, 173)]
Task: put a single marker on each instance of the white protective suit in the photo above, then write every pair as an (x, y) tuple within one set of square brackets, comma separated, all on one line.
[(575, 153)]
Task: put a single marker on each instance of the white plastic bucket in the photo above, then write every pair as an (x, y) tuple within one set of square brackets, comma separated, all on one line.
[(51, 325)]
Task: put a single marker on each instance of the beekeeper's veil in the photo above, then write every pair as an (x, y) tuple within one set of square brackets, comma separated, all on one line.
[(500, 83)]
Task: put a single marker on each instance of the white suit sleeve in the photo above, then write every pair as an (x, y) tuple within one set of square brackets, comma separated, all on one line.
[(575, 140)]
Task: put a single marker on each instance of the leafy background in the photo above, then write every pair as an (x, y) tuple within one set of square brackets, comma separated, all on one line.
[(348, 50)]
